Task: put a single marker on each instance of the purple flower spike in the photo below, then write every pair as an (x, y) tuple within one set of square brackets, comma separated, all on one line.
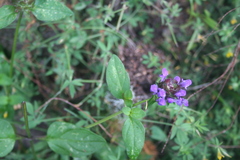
[(161, 93), (164, 74), (181, 93), (186, 83), (154, 88), (161, 101), (171, 90), (177, 78)]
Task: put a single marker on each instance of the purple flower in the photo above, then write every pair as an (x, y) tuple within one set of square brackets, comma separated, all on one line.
[(164, 74), (171, 100), (185, 83), (180, 93), (182, 101), (161, 101), (177, 78), (161, 93), (171, 90), (154, 88)]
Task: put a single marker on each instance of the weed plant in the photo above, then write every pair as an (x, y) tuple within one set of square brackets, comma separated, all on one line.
[(65, 93)]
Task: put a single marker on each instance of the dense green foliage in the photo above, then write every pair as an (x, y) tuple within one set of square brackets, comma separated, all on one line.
[(71, 67)]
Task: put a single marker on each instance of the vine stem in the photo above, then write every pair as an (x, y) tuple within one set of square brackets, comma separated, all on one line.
[(15, 43), (24, 108)]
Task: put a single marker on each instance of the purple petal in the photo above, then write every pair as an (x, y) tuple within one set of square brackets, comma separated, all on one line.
[(179, 101), (180, 93), (154, 88), (161, 93), (164, 74), (161, 101), (171, 100), (177, 78), (186, 83), (185, 102), (182, 101)]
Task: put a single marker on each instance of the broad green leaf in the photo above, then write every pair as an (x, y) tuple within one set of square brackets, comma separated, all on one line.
[(4, 79), (128, 94), (7, 138), (158, 134), (182, 137), (66, 139), (133, 134), (126, 110), (137, 113), (117, 78), (50, 10), (15, 99), (3, 100), (7, 15)]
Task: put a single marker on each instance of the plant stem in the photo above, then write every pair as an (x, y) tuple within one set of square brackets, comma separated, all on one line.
[(15, 43), (104, 119), (145, 100), (120, 17), (24, 108), (113, 115), (67, 57)]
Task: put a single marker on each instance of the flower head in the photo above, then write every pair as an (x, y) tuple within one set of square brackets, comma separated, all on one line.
[(171, 90)]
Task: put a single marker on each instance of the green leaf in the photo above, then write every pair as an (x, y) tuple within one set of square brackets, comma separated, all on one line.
[(4, 79), (77, 82), (182, 137), (15, 99), (133, 134), (117, 78), (7, 138), (126, 110), (7, 15), (30, 108), (65, 84), (152, 100), (72, 90), (50, 10), (3, 100), (102, 46), (137, 113), (158, 134), (64, 138), (128, 102), (128, 98)]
